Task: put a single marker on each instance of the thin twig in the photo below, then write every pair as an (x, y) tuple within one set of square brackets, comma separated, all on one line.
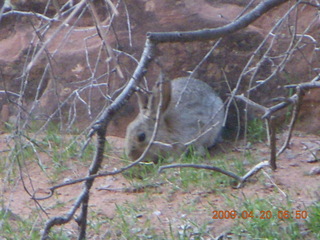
[(32, 14), (209, 34), (273, 144), (103, 35), (198, 166), (253, 171), (65, 23), (252, 103), (294, 117), (274, 184)]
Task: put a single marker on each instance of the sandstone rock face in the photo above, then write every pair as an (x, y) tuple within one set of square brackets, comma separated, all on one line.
[(75, 78), (310, 113)]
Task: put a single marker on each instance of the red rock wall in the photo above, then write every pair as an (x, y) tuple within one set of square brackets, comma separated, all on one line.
[(75, 53)]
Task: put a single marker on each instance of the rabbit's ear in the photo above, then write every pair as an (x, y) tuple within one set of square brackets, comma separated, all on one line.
[(142, 100), (162, 88)]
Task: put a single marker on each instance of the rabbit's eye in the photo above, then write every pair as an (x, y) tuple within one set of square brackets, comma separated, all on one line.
[(141, 137)]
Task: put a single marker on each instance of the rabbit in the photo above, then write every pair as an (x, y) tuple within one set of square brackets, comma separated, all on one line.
[(191, 114)]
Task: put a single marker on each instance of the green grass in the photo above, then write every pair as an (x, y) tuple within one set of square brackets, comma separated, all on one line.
[(137, 218), (133, 221), (270, 218), (188, 178), (15, 228), (260, 218), (313, 222), (52, 153), (257, 131)]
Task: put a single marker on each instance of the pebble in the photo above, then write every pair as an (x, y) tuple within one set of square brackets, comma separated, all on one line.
[(315, 171)]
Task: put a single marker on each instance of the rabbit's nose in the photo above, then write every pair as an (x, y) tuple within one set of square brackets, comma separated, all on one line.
[(134, 154)]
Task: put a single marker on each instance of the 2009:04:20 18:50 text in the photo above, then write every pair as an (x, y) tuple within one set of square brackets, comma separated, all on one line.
[(232, 214)]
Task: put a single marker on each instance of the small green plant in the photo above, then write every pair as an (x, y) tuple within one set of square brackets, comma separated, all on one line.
[(141, 171), (14, 227), (256, 130), (313, 222)]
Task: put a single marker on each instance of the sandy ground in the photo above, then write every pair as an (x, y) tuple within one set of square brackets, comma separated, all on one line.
[(296, 176)]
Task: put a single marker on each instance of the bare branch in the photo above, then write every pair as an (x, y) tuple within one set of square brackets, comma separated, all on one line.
[(307, 85), (252, 103), (240, 180), (253, 171), (102, 34), (209, 34), (65, 23), (294, 117), (207, 167), (273, 144), (310, 4), (32, 14)]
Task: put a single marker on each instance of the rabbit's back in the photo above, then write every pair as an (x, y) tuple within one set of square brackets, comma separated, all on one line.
[(195, 112)]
